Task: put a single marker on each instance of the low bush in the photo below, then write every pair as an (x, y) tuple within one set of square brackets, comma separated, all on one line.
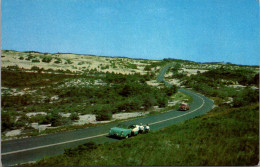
[(47, 59), (54, 118), (246, 97), (103, 112), (57, 61), (74, 116), (36, 61), (103, 116), (7, 121)]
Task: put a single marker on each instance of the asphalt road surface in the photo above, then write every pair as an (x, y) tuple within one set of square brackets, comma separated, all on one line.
[(36, 148)]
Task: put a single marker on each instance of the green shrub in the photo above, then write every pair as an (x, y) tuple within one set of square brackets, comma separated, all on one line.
[(35, 68), (162, 100), (36, 61), (74, 116), (54, 118), (29, 57), (39, 118), (147, 68), (7, 120), (149, 101), (103, 112), (68, 61), (19, 100), (20, 124), (22, 121), (47, 59), (246, 97), (57, 61), (81, 63), (170, 90), (132, 66), (103, 116)]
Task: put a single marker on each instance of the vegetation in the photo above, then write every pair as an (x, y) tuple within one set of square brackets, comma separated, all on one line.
[(227, 135), (224, 136), (217, 83), (57, 61), (20, 79), (47, 59), (117, 93), (74, 116)]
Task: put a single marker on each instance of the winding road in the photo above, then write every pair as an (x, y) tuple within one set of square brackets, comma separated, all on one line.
[(36, 148)]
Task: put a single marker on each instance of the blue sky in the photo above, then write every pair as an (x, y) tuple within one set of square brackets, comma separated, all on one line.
[(197, 30)]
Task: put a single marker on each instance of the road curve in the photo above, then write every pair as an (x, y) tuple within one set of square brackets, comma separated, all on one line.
[(35, 148)]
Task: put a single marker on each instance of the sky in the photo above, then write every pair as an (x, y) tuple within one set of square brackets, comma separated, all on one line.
[(196, 30)]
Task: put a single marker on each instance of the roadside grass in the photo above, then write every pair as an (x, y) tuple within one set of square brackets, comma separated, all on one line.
[(224, 136), (181, 96)]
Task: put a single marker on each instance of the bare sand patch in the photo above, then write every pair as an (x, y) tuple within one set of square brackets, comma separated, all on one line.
[(237, 86), (35, 113), (91, 118), (153, 83), (13, 133), (85, 119), (176, 82), (193, 71), (120, 116)]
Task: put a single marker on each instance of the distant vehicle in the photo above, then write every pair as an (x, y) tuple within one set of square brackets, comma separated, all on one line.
[(125, 131), (183, 107)]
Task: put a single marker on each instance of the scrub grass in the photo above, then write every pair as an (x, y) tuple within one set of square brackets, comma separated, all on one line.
[(180, 96), (224, 136)]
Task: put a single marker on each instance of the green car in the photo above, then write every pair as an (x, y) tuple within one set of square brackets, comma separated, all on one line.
[(124, 130)]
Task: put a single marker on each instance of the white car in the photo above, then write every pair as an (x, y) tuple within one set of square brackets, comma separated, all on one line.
[(146, 128), (141, 128)]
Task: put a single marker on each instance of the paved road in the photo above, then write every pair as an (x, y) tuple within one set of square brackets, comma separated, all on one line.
[(35, 148)]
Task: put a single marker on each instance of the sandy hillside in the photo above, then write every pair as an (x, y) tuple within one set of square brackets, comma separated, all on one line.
[(74, 62)]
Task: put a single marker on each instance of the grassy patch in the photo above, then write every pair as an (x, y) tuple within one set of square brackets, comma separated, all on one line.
[(181, 96)]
